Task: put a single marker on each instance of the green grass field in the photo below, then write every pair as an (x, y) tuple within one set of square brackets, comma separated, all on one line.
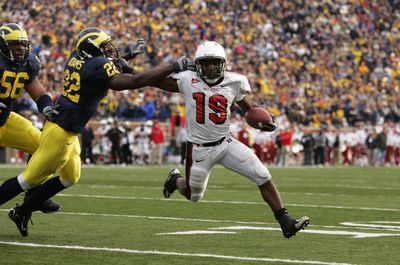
[(118, 216)]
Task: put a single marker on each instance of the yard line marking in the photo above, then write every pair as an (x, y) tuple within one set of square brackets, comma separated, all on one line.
[(311, 231), (230, 202), (387, 227), (162, 218), (196, 232), (156, 252)]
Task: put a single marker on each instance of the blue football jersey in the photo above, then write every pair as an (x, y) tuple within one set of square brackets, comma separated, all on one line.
[(14, 79), (85, 85)]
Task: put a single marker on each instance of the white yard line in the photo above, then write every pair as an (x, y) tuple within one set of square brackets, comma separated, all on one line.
[(230, 202), (166, 253)]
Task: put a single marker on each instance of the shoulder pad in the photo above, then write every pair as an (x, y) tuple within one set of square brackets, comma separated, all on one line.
[(235, 77), (34, 62)]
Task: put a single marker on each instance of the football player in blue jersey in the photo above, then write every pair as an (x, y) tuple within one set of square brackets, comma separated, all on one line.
[(88, 75), (18, 71)]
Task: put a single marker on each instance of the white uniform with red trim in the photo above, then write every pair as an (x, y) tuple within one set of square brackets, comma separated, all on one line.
[(208, 119)]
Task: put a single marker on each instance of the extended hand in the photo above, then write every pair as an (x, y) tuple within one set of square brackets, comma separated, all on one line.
[(50, 112), (184, 64), (135, 49), (271, 126)]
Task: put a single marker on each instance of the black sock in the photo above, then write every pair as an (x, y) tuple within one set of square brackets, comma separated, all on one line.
[(43, 193), (31, 191), (282, 215), (9, 190)]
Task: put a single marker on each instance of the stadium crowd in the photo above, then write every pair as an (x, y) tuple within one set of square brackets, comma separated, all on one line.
[(336, 61)]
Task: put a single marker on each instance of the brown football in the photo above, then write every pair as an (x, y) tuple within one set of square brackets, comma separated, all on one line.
[(257, 116)]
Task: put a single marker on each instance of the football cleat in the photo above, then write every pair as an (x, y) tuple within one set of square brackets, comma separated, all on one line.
[(292, 226), (170, 182), (21, 220), (47, 206)]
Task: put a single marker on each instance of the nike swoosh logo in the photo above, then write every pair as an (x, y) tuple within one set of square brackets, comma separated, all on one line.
[(199, 160)]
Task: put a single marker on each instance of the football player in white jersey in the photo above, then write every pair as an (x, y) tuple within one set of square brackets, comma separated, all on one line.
[(209, 94)]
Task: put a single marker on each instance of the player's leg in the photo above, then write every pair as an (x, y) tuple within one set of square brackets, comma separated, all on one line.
[(69, 175), (18, 133), (52, 154), (199, 162), (242, 160)]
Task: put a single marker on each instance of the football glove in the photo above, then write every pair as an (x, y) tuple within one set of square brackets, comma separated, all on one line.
[(134, 49), (50, 112), (2, 107), (271, 126), (184, 64), (122, 65)]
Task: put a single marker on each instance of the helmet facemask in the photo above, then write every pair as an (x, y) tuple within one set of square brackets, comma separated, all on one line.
[(109, 50), (210, 69), (18, 51), (210, 60), (14, 43)]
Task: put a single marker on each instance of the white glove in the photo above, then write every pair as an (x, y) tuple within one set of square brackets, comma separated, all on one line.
[(50, 112), (2, 107), (183, 64)]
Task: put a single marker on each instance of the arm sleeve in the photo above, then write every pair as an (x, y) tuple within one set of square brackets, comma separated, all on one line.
[(34, 67), (179, 80), (243, 88)]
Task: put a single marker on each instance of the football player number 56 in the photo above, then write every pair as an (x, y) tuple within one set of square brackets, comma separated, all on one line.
[(217, 103), (12, 84), (72, 85)]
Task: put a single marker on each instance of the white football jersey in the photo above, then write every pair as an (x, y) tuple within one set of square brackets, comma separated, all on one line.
[(208, 109)]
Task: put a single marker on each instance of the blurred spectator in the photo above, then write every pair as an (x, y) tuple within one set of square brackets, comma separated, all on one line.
[(158, 140), (380, 148), (142, 139), (127, 139), (244, 135), (115, 135), (87, 138), (307, 140), (321, 141)]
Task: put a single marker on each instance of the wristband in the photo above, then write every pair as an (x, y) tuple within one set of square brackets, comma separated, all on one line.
[(44, 101)]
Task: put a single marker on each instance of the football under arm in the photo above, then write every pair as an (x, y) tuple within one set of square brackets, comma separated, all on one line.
[(135, 81)]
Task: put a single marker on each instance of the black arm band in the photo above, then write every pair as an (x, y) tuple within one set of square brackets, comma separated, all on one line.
[(43, 102)]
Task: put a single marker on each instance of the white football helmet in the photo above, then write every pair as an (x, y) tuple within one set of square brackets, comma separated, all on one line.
[(210, 50)]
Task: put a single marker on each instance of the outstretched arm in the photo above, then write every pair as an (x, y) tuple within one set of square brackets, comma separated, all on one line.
[(167, 84), (129, 81)]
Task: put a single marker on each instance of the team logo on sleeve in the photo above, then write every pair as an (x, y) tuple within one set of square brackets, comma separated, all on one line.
[(194, 80)]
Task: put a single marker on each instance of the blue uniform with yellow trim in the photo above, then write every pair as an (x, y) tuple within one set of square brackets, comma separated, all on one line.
[(16, 131), (85, 85)]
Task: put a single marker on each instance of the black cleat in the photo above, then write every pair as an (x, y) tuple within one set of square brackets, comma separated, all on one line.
[(170, 182), (21, 220), (47, 206), (291, 226)]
